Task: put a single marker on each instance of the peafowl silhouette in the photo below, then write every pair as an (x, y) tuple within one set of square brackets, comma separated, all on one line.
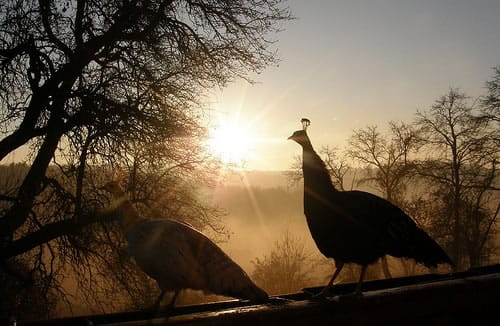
[(356, 226), (179, 257)]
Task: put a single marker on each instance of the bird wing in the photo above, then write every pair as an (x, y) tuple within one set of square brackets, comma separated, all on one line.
[(376, 214), (178, 256), (397, 231), (164, 253), (220, 273)]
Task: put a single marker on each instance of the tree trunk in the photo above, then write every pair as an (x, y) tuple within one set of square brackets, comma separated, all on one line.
[(30, 187)]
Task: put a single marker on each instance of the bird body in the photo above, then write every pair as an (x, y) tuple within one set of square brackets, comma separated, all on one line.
[(179, 257), (357, 226), (376, 235)]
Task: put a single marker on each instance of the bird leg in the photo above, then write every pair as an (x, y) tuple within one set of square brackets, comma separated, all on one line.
[(158, 301), (172, 302), (326, 289), (168, 307), (156, 307), (357, 291)]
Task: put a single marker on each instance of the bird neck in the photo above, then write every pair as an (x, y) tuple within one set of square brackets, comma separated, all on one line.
[(316, 175), (306, 144), (127, 213)]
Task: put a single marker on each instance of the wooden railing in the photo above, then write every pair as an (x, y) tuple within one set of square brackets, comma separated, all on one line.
[(463, 298)]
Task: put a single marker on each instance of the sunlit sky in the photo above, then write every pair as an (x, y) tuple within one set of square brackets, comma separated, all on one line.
[(348, 64)]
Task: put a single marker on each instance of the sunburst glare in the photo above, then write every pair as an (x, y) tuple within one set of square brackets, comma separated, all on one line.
[(232, 142)]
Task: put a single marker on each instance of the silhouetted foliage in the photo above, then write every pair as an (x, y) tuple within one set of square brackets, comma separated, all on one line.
[(286, 269), (461, 164), (387, 157), (387, 162), (342, 173), (32, 300), (97, 87), (491, 101)]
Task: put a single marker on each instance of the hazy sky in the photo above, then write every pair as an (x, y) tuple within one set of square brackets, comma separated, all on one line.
[(348, 64)]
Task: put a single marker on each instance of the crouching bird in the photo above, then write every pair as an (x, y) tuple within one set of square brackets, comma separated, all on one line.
[(356, 226), (179, 257)]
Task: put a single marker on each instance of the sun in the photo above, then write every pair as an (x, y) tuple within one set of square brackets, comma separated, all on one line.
[(231, 142)]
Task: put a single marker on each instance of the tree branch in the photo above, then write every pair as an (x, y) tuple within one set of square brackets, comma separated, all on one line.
[(45, 15), (80, 7), (52, 231)]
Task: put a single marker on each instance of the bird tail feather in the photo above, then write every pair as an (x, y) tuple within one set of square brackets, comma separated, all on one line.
[(425, 250), (230, 279)]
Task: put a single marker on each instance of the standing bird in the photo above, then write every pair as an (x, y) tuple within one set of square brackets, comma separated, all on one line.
[(356, 226), (179, 257)]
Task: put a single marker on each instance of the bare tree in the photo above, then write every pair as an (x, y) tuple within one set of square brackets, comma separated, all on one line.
[(86, 83), (461, 162), (34, 301), (294, 174), (386, 157), (337, 166), (286, 269), (491, 101)]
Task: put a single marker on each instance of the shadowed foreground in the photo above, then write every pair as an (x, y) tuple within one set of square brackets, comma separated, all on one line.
[(469, 298)]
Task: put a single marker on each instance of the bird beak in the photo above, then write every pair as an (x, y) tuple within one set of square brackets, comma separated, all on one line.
[(291, 137)]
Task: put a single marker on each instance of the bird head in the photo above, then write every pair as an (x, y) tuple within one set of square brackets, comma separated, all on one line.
[(300, 136), (114, 188)]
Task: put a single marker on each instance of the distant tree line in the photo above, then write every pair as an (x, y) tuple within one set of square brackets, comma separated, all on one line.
[(275, 203)]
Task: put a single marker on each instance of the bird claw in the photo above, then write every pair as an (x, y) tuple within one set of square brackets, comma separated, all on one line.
[(323, 294), (279, 300), (309, 293), (320, 296), (350, 297)]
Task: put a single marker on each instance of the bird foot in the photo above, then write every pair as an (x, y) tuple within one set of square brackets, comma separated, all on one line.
[(278, 300), (323, 294), (357, 292), (160, 310), (351, 297), (314, 295)]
